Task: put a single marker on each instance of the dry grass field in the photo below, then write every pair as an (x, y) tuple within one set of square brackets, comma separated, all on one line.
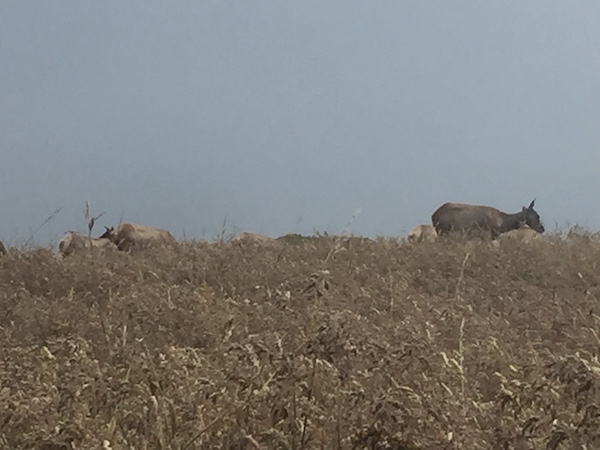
[(317, 343)]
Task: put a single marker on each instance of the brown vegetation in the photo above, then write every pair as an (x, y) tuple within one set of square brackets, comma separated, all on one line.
[(321, 343)]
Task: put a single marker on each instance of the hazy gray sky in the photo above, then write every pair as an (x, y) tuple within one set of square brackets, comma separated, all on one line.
[(291, 116)]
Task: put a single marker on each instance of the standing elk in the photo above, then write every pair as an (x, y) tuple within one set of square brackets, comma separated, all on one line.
[(476, 219)]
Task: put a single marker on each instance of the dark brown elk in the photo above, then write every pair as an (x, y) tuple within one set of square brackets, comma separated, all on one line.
[(473, 220), (129, 236), (2, 249)]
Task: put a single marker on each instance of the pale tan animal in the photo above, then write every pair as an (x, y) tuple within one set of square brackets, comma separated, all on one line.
[(422, 233), (475, 219), (129, 236), (251, 238), (73, 242), (524, 235)]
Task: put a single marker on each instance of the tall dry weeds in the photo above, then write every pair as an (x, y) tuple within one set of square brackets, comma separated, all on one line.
[(321, 343)]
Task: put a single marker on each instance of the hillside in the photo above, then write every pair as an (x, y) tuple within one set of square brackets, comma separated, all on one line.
[(318, 343)]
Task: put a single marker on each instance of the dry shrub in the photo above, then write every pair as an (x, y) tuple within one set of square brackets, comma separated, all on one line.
[(320, 343)]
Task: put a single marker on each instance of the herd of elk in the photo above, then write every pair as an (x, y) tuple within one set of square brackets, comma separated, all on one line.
[(450, 218), (126, 237)]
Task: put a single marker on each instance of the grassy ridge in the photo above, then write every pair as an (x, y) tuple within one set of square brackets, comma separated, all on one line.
[(318, 343)]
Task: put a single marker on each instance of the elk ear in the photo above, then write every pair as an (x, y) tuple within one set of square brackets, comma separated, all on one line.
[(531, 204)]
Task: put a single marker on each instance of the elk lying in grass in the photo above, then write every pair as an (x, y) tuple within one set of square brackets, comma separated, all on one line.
[(73, 242), (524, 235), (422, 233), (128, 236), (251, 238)]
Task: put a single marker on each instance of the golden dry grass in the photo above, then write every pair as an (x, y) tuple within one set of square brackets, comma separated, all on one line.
[(323, 343)]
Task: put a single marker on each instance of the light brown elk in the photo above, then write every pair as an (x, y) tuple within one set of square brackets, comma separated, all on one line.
[(422, 233), (129, 236), (73, 242), (251, 238), (523, 235)]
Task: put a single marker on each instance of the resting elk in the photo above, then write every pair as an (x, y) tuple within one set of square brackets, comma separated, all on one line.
[(523, 235), (422, 233), (73, 242), (251, 238), (128, 236)]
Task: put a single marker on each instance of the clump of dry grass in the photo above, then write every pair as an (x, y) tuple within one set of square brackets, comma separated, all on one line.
[(328, 342)]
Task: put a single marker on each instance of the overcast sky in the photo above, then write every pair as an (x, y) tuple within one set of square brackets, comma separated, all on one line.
[(289, 117)]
